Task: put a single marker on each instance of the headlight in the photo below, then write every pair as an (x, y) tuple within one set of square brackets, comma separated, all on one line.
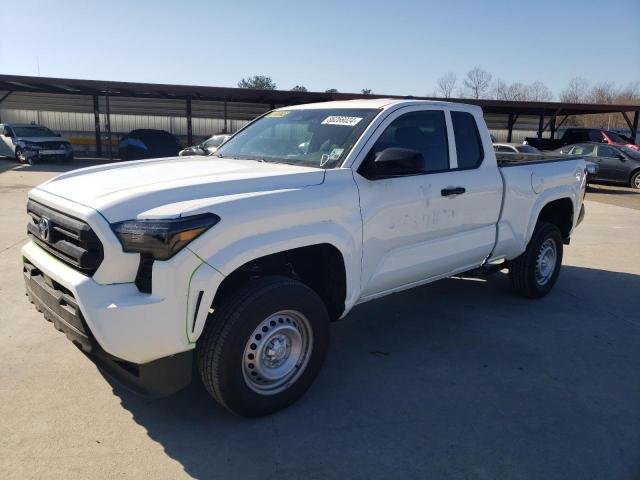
[(162, 238)]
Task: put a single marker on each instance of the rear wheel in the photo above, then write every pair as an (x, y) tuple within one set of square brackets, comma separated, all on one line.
[(264, 346), (534, 273), (635, 180)]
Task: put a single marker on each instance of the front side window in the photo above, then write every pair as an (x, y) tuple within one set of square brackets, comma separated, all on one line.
[(608, 152), (468, 144), (313, 137), (425, 132)]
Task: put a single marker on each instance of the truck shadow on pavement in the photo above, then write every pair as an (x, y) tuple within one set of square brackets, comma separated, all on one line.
[(454, 379)]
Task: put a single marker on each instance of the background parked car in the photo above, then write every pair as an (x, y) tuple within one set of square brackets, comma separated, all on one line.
[(616, 164), (207, 147), (32, 143), (515, 148), (148, 143), (579, 135)]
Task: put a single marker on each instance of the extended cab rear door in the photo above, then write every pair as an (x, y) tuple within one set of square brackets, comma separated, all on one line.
[(438, 222)]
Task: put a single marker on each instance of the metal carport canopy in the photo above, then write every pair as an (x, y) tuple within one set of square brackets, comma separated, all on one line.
[(97, 88)]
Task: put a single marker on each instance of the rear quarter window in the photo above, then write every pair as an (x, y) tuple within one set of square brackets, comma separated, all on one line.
[(468, 143)]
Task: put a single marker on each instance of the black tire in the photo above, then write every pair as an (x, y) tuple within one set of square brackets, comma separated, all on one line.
[(17, 155), (523, 270), (222, 348), (634, 182)]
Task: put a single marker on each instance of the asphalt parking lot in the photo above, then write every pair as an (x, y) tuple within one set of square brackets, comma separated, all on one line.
[(458, 379)]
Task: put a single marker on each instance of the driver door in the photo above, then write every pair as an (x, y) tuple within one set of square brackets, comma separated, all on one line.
[(613, 165), (418, 227)]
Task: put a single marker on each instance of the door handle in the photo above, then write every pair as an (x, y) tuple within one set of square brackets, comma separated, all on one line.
[(452, 191)]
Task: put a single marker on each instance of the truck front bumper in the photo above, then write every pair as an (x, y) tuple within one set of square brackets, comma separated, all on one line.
[(142, 339)]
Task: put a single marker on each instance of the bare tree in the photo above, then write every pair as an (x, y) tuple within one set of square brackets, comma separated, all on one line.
[(576, 91), (477, 82), (539, 92), (446, 85), (367, 91), (516, 92), (603, 93)]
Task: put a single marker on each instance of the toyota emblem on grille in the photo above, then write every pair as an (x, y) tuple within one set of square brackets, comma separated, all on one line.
[(44, 227)]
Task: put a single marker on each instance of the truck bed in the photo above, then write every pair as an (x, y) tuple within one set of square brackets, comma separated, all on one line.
[(516, 159)]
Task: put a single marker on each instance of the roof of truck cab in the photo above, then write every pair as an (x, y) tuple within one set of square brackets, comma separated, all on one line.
[(380, 103)]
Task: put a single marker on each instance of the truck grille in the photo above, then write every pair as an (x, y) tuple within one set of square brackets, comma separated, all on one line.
[(71, 240), (52, 145)]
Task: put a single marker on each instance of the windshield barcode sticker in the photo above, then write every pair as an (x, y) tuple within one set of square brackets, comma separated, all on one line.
[(339, 120)]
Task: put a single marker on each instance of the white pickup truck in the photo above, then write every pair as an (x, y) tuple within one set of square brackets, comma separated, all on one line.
[(237, 262)]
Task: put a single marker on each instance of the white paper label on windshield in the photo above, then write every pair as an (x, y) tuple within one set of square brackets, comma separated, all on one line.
[(339, 120)]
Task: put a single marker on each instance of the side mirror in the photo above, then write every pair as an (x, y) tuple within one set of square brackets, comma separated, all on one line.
[(398, 161), (620, 157), (7, 133)]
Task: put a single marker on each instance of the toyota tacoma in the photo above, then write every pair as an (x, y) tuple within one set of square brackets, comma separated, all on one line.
[(233, 265)]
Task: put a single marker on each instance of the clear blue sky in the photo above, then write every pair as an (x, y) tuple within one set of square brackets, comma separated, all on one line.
[(393, 47)]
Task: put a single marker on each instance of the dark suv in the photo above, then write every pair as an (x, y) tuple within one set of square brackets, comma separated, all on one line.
[(148, 143)]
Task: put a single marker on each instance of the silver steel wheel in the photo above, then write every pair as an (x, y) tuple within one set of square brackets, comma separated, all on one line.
[(636, 181), (546, 261), (277, 352)]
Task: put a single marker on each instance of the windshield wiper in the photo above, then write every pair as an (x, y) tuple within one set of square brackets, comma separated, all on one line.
[(239, 158)]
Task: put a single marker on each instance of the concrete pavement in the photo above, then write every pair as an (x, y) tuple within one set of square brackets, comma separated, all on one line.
[(458, 379)]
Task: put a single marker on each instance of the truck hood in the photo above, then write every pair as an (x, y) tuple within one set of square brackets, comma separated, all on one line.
[(138, 189)]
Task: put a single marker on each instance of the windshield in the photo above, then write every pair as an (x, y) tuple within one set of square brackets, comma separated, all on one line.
[(34, 131), (633, 153), (215, 141), (307, 137)]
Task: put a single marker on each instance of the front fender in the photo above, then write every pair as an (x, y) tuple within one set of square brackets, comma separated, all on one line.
[(235, 254)]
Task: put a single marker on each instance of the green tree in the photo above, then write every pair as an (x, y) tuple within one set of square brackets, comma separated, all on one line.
[(257, 82), (299, 88), (331, 90), (367, 91)]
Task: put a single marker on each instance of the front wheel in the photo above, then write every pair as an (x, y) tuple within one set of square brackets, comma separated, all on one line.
[(534, 273), (20, 155), (635, 180), (263, 346)]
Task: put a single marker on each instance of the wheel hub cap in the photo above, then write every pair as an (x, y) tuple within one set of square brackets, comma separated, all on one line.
[(277, 352)]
